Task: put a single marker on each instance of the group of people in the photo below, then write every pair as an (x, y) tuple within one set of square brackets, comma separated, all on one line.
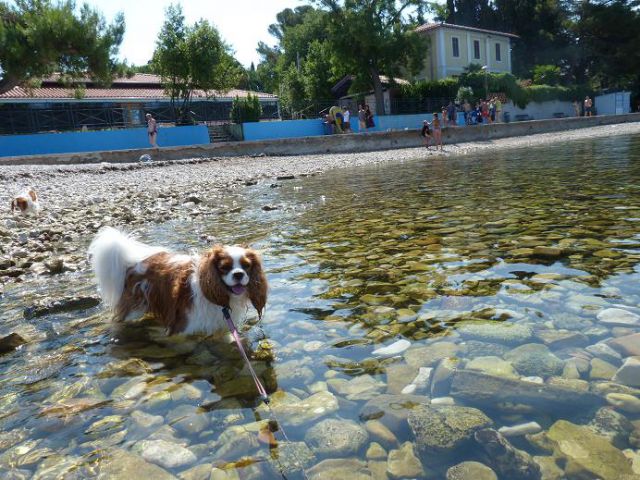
[(484, 111), (432, 131), (339, 119)]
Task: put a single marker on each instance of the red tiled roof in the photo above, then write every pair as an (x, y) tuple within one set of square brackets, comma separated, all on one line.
[(131, 93), (137, 78), (427, 27)]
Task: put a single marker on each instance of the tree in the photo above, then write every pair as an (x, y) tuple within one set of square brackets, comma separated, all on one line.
[(372, 37), (246, 109), (39, 37), (192, 58)]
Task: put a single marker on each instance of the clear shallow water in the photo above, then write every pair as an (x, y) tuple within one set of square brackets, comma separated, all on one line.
[(540, 239)]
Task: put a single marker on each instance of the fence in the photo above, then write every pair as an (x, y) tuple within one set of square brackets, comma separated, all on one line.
[(20, 119)]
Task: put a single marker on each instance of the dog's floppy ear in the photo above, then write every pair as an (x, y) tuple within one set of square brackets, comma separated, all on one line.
[(257, 287), (33, 195), (211, 284)]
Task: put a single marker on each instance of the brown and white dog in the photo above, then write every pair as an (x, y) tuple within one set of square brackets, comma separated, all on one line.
[(186, 293), (26, 202)]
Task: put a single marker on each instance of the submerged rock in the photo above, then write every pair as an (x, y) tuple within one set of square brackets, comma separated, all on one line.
[(391, 410), (493, 366), (10, 342), (439, 429), (429, 355), (482, 389), (164, 453), (337, 438), (618, 317), (121, 465), (333, 469), (471, 471), (624, 402), (290, 457), (495, 332), (403, 463), (587, 453), (67, 304), (535, 359), (395, 348), (508, 461), (629, 373), (628, 345), (612, 425), (292, 410)]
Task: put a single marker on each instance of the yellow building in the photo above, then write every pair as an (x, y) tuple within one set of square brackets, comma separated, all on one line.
[(453, 47)]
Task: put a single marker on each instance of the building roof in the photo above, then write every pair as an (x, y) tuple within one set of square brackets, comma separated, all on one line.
[(141, 86), (428, 27)]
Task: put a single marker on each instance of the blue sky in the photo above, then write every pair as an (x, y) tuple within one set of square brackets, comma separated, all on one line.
[(242, 23)]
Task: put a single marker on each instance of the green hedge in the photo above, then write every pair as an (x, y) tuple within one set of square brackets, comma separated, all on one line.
[(496, 82)]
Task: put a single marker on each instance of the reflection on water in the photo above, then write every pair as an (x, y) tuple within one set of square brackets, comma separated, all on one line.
[(412, 305)]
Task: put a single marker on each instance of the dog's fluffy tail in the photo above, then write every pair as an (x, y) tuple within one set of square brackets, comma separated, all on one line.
[(112, 253)]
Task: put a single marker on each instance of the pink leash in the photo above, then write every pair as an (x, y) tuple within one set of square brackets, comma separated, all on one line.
[(261, 390), (236, 336)]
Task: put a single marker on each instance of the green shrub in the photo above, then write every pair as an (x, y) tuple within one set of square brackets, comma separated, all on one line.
[(245, 110), (464, 93), (546, 75)]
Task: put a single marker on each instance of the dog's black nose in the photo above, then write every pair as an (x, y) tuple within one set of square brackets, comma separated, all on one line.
[(238, 275)]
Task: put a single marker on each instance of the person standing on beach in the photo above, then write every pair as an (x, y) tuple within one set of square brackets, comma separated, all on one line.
[(346, 116), (498, 109), (362, 118), (437, 131), (588, 104), (576, 108), (368, 117), (152, 130), (426, 133), (467, 112)]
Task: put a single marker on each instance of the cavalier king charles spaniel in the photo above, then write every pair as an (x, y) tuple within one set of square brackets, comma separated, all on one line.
[(185, 293), (26, 203)]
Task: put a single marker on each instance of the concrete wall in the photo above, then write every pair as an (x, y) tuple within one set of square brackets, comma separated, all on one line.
[(540, 111), (73, 142), (329, 144), (284, 129)]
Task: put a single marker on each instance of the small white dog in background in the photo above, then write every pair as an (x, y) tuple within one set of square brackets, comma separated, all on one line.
[(26, 202)]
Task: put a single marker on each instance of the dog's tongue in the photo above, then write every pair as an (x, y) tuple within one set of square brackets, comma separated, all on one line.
[(238, 289)]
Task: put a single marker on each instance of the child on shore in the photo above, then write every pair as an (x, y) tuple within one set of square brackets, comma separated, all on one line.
[(436, 126), (426, 133)]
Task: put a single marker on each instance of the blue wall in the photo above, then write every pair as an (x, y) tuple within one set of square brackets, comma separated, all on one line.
[(284, 129), (75, 142), (312, 128)]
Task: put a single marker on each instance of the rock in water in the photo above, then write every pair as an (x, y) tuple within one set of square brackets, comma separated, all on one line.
[(481, 389), (534, 359), (403, 463), (618, 317), (440, 429), (337, 438), (394, 349), (510, 462), (164, 453), (588, 455), (629, 373), (471, 471), (333, 469), (121, 465), (10, 342)]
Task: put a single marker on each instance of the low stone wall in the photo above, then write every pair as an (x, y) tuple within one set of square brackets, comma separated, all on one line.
[(327, 144)]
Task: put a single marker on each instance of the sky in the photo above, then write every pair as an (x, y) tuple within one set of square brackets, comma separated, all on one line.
[(242, 23)]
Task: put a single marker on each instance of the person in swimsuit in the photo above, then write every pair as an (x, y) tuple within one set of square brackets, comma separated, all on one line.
[(436, 126)]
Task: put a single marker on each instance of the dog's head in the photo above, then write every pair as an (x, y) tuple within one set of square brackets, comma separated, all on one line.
[(233, 271)]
